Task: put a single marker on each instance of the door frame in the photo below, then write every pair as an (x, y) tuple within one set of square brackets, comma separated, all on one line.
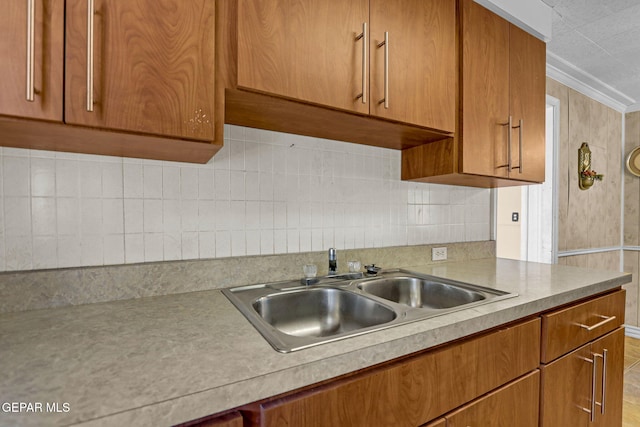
[(552, 137)]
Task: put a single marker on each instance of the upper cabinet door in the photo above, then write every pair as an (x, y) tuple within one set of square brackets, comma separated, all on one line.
[(417, 82), (31, 48), (527, 89), (307, 50), (485, 91), (141, 66)]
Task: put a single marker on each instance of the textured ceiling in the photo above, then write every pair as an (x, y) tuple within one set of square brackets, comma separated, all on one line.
[(598, 42)]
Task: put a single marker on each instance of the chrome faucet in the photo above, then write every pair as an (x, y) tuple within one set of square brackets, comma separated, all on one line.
[(333, 261)]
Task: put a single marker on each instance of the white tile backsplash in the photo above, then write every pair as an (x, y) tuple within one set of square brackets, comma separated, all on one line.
[(263, 193), (43, 177), (16, 176)]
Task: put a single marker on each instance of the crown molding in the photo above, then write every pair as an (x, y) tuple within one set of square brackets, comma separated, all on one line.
[(633, 108), (570, 75)]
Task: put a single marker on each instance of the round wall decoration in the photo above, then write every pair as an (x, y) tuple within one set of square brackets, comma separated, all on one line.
[(633, 161)]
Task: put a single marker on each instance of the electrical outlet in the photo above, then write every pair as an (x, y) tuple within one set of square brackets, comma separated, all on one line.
[(438, 254)]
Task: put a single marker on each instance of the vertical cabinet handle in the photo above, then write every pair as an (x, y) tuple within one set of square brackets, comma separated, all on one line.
[(519, 127), (508, 125), (592, 413), (604, 379), (365, 62), (603, 382), (90, 10), (385, 43), (592, 410), (31, 30)]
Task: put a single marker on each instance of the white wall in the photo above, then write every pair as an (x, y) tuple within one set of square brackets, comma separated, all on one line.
[(263, 193), (508, 239)]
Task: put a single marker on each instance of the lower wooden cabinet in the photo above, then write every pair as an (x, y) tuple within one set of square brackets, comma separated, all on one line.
[(437, 423), (413, 391), (562, 369), (232, 419), (570, 327), (584, 388), (514, 405)]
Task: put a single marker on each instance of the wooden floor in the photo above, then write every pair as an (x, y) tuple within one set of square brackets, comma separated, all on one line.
[(631, 408)]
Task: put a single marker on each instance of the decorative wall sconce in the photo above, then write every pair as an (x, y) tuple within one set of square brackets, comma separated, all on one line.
[(586, 176), (633, 161)]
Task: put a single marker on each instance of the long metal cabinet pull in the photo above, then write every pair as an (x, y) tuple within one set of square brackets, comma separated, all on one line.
[(592, 410), (385, 43), (520, 131), (31, 30), (508, 125), (90, 55), (604, 379), (519, 127), (597, 325), (365, 61)]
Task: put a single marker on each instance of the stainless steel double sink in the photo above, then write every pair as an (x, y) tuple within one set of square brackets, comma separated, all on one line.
[(292, 316)]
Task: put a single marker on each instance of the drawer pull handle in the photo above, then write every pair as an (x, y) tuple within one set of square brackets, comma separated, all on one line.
[(606, 320)]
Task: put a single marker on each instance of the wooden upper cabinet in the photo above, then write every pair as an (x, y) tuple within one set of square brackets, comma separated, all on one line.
[(306, 50), (503, 97), (527, 95), (420, 77), (32, 44), (330, 53), (153, 66), (485, 91)]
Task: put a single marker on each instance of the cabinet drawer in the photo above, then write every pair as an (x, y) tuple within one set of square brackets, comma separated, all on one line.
[(569, 328), (515, 404), (413, 391), (437, 423), (232, 419)]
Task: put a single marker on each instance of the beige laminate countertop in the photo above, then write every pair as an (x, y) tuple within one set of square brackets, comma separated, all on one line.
[(170, 359)]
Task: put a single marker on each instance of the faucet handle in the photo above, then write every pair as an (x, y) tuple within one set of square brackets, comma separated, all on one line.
[(372, 269)]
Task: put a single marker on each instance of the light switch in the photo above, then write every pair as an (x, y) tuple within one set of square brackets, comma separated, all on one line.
[(515, 216)]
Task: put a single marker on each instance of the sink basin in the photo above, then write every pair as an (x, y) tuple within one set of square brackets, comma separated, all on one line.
[(422, 293), (293, 315), (321, 312)]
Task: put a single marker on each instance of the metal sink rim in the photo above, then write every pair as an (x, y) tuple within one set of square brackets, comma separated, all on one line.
[(243, 298)]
